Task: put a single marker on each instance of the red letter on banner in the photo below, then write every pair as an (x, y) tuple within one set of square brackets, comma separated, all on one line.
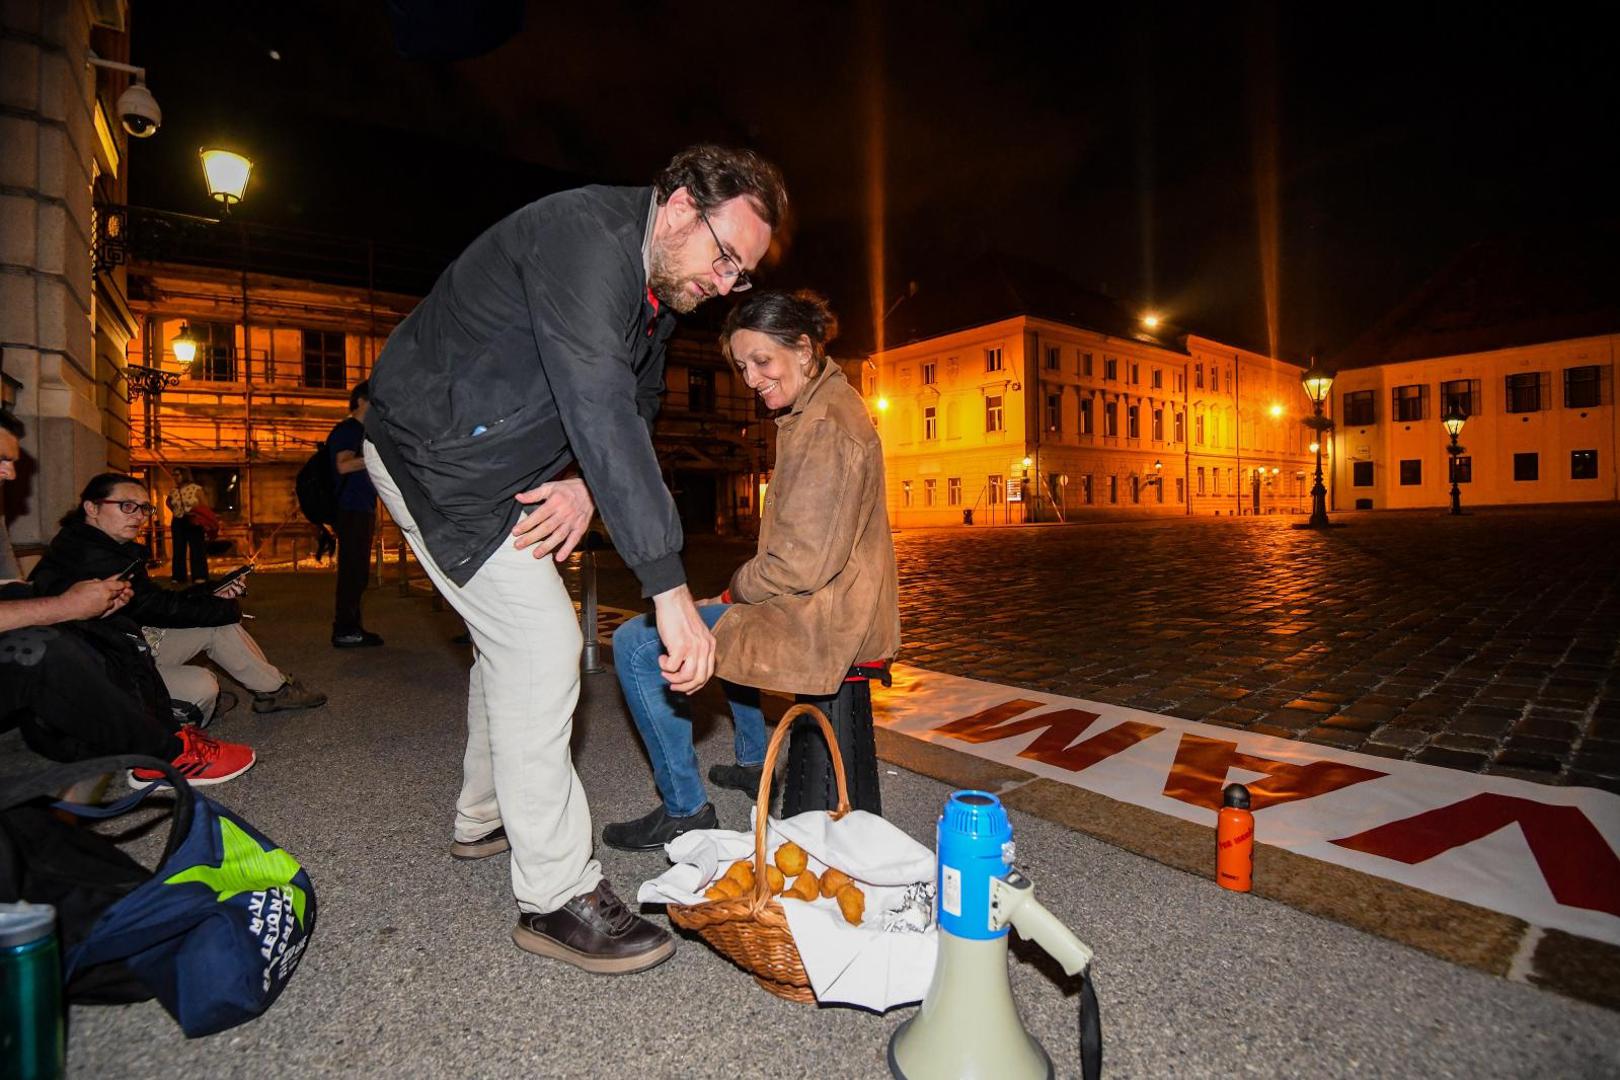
[(1577, 862), (1199, 775), (1058, 729)]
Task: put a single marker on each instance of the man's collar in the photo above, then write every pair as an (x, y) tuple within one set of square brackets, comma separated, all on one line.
[(647, 235)]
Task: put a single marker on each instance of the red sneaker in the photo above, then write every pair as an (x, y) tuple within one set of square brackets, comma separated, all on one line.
[(202, 761)]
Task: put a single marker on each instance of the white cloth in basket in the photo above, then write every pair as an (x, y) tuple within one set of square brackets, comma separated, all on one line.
[(862, 965)]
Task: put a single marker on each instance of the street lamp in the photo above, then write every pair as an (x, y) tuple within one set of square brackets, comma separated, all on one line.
[(1317, 382), (227, 175), (1453, 423), (185, 345)]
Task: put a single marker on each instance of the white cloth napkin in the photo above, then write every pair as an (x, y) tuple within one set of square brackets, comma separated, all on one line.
[(886, 961)]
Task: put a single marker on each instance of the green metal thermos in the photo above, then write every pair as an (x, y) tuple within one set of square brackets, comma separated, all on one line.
[(31, 1022)]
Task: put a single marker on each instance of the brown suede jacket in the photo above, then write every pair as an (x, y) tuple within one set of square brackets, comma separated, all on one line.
[(821, 592)]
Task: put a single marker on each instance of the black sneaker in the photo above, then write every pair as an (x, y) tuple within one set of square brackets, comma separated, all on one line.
[(596, 933), (743, 778), (356, 639), (491, 843), (656, 829)]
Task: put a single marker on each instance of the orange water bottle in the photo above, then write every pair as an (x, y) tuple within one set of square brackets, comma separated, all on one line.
[(1234, 841)]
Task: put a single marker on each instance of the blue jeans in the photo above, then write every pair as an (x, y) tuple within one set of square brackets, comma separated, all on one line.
[(663, 717)]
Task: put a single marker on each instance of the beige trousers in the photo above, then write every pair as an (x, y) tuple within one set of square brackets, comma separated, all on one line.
[(231, 647), (517, 770)]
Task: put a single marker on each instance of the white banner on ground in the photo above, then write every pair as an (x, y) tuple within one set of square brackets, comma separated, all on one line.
[(1543, 854)]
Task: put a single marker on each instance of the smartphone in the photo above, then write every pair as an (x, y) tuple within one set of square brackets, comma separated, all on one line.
[(240, 571)]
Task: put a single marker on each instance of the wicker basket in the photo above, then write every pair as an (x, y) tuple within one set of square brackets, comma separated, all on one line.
[(752, 931)]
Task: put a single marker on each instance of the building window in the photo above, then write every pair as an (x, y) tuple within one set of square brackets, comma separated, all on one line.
[(1524, 392), (1054, 358), (1136, 489), (1158, 378), (1360, 407), (953, 491), (992, 413), (992, 359), (1158, 425), (996, 488), (1462, 469), (1198, 429), (1085, 416), (216, 352), (323, 360), (1085, 363), (1411, 472), (928, 373), (1200, 479), (1214, 379), (1181, 490), (1409, 402), (1136, 373), (1460, 395), (700, 390), (929, 492), (1198, 376), (1111, 418), (1361, 474), (222, 488), (1583, 465), (1583, 387), (1526, 466), (931, 422), (1086, 495), (1054, 412), (905, 493), (1110, 368), (1113, 489), (1133, 422), (1181, 427), (1215, 481)]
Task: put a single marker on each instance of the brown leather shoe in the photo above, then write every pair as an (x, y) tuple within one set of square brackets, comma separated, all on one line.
[(491, 843), (596, 933)]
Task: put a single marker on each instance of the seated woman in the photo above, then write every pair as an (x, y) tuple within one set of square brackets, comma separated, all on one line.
[(97, 540), (818, 598)]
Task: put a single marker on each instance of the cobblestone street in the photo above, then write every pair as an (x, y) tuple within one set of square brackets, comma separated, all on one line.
[(1488, 642)]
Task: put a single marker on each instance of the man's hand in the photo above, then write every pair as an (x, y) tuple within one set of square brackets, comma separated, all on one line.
[(95, 598), (708, 602), (689, 659), (557, 523)]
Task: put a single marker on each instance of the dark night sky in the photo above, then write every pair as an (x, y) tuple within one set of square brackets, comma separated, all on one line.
[(1120, 146)]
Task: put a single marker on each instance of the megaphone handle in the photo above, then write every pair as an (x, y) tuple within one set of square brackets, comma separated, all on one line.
[(1090, 1030)]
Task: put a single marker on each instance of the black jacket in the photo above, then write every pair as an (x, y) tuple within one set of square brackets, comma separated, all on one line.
[(537, 347), (81, 551)]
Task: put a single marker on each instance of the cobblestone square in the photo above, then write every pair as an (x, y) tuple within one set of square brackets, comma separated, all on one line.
[(1486, 642)]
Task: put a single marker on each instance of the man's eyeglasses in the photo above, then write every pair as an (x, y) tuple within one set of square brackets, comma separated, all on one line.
[(726, 265), (130, 506)]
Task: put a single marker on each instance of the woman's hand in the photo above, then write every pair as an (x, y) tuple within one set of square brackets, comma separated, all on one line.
[(232, 589)]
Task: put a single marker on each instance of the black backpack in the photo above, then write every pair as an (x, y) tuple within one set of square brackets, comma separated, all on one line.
[(316, 488)]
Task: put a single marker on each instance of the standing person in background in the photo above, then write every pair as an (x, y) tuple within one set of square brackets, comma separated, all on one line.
[(189, 539), (356, 520), (11, 433)]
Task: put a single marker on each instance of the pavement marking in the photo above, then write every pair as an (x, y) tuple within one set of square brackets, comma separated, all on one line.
[(1474, 891)]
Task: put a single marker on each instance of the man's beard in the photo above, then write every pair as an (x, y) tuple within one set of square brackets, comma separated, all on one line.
[(670, 288)]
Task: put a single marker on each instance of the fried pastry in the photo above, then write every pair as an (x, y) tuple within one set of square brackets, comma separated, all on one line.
[(742, 872), (805, 887), (833, 880), (775, 879), (791, 859), (852, 903)]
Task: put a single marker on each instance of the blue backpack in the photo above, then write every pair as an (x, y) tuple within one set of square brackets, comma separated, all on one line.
[(214, 933)]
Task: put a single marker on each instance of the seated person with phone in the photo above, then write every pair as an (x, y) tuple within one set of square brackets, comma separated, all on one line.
[(98, 540)]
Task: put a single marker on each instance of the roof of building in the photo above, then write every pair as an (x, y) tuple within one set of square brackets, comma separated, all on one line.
[(1524, 289), (994, 287)]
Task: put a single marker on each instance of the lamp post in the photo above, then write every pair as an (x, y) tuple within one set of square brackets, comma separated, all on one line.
[(1317, 382), (227, 175), (1453, 423)]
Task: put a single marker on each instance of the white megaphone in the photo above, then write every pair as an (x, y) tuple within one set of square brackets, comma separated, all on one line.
[(968, 1027)]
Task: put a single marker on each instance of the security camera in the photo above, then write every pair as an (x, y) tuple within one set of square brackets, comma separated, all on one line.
[(139, 111)]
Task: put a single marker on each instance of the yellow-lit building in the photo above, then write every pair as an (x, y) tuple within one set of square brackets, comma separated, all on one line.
[(1067, 406), (1519, 335)]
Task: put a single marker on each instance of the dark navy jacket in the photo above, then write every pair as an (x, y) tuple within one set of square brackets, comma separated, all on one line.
[(536, 348)]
